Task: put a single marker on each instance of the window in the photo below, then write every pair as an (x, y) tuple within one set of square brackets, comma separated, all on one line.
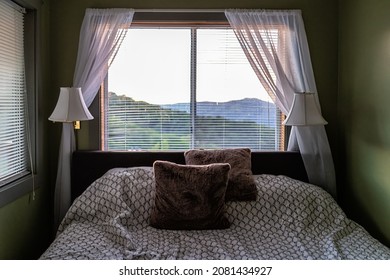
[(182, 88), (13, 142)]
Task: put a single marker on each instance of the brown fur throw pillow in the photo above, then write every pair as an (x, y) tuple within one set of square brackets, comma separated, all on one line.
[(190, 197), (241, 185)]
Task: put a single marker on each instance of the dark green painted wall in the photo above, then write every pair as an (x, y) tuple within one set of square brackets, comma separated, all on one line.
[(364, 100)]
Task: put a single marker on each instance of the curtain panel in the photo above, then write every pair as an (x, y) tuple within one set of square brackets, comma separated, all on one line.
[(284, 67), (101, 34)]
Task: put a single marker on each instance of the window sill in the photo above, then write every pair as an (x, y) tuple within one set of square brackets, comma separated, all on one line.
[(16, 189)]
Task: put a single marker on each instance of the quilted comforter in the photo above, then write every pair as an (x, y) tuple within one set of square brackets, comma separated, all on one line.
[(289, 220)]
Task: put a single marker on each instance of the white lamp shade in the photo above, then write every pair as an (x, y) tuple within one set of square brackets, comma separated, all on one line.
[(70, 106), (304, 111)]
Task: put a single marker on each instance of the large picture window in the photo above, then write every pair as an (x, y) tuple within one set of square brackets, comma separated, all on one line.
[(13, 142), (183, 88)]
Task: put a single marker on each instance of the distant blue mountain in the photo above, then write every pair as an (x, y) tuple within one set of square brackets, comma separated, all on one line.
[(248, 109)]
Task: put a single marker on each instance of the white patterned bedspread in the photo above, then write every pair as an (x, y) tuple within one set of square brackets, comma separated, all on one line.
[(289, 220)]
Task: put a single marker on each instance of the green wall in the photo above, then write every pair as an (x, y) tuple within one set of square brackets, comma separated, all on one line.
[(24, 227), (25, 223), (364, 99)]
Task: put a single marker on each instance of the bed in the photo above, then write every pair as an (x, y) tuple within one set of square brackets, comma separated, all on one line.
[(122, 209)]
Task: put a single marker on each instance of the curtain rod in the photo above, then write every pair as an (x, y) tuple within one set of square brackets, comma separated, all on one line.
[(179, 10)]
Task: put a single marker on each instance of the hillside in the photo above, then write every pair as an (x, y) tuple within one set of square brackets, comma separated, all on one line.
[(139, 125), (248, 109)]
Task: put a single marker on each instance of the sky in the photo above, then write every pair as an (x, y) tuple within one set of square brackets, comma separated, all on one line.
[(153, 65)]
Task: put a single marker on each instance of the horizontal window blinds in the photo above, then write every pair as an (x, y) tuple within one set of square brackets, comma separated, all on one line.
[(13, 150), (177, 89), (233, 109)]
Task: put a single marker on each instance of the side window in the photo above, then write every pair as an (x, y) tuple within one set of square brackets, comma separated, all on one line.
[(14, 153), (183, 88)]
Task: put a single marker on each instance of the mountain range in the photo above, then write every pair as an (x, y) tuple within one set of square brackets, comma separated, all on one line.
[(247, 109)]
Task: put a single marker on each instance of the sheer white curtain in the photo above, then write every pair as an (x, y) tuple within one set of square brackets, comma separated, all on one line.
[(276, 46), (101, 34)]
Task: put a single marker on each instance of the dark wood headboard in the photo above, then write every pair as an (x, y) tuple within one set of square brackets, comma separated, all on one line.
[(87, 166)]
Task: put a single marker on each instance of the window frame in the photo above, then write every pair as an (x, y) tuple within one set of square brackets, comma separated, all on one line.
[(171, 20), (26, 183)]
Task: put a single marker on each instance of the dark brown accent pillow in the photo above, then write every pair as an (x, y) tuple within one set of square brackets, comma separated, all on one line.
[(241, 185), (190, 197)]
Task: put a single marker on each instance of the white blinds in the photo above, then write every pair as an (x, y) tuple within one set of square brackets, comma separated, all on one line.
[(213, 100), (13, 150), (238, 111)]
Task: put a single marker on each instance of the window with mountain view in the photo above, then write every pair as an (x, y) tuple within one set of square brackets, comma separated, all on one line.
[(183, 88)]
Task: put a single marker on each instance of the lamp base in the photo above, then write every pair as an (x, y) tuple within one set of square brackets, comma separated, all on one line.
[(76, 125)]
